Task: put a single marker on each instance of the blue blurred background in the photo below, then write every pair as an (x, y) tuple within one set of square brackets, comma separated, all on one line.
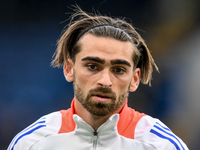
[(30, 88)]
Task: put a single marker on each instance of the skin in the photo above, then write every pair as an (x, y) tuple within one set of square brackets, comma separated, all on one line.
[(103, 63)]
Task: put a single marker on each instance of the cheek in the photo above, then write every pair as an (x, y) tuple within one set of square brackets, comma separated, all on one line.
[(123, 86), (82, 80)]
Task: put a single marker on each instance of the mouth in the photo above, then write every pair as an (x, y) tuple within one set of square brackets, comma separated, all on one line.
[(102, 97)]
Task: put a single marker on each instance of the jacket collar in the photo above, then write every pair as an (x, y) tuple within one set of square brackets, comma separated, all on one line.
[(123, 115)]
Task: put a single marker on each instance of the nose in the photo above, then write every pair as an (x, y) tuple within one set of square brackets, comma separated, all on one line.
[(105, 79)]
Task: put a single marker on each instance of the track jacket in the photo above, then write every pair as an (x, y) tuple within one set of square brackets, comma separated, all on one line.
[(128, 130)]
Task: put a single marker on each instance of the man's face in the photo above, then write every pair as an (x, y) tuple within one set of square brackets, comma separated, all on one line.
[(103, 74)]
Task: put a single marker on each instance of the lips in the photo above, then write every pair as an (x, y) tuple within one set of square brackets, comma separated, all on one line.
[(102, 97), (102, 94)]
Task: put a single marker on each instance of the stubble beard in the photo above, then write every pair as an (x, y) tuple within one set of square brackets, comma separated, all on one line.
[(99, 108)]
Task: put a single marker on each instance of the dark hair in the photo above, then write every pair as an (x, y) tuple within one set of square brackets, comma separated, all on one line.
[(103, 26)]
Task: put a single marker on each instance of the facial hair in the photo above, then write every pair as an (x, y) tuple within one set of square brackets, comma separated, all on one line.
[(99, 108)]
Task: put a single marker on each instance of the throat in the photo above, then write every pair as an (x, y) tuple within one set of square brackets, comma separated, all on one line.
[(96, 121)]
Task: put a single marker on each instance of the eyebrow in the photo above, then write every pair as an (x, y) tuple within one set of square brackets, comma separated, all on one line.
[(120, 61), (95, 59), (102, 61)]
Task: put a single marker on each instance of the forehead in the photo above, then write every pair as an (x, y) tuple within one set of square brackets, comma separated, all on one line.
[(105, 47)]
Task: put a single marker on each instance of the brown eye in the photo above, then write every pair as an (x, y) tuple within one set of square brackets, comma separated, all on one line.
[(92, 67), (119, 70)]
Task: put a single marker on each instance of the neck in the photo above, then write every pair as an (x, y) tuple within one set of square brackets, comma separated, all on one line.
[(94, 121)]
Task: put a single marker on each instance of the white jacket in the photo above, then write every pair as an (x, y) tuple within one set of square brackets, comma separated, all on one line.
[(128, 130)]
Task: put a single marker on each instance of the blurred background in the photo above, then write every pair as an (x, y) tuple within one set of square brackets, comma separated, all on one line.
[(30, 88)]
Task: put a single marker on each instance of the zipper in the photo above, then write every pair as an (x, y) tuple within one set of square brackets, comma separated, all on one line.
[(95, 137), (95, 140)]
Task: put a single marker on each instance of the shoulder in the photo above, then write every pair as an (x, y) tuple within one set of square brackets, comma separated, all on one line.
[(45, 126), (153, 131)]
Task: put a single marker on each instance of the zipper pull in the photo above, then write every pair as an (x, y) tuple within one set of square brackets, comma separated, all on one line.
[(95, 136), (95, 140)]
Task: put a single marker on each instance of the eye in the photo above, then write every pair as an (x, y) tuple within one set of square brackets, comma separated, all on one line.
[(119, 70), (92, 67)]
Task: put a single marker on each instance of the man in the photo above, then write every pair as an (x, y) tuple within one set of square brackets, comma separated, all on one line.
[(105, 58)]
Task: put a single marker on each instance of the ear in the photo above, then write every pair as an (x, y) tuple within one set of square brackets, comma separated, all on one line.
[(68, 70), (135, 80)]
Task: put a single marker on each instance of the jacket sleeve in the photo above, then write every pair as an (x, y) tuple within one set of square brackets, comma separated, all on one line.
[(154, 132), (45, 126)]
